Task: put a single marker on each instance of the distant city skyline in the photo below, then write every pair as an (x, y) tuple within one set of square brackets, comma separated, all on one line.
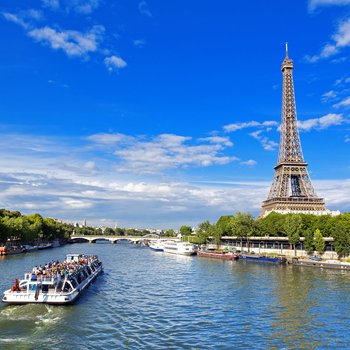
[(154, 114)]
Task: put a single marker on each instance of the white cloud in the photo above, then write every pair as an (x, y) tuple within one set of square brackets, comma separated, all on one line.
[(139, 43), (218, 139), (321, 123), (329, 95), (90, 166), (73, 43), (340, 39), (163, 152), (114, 62), (109, 139), (52, 4), (144, 9), (249, 162), (267, 144), (34, 14), (58, 179), (347, 138), (17, 19), (84, 6), (313, 4), (250, 124), (344, 103), (79, 6), (342, 81), (73, 203)]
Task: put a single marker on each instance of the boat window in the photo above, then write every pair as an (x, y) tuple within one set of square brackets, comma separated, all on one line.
[(67, 287), (45, 288), (59, 286), (32, 287), (73, 282), (23, 286), (93, 268)]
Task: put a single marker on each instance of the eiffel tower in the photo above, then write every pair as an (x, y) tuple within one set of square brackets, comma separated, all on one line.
[(291, 190)]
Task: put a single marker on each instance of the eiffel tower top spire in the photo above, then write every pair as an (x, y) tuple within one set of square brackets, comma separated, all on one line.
[(290, 148)]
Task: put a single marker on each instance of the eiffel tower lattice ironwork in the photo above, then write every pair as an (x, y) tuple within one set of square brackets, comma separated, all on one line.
[(291, 189)]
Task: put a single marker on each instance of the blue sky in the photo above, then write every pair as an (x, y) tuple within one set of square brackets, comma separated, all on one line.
[(162, 113)]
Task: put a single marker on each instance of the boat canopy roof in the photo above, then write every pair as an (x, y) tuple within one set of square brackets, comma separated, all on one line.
[(74, 257)]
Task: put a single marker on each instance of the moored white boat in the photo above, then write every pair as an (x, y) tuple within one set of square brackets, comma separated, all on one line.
[(157, 246), (180, 247), (55, 283), (44, 246), (30, 248), (56, 243)]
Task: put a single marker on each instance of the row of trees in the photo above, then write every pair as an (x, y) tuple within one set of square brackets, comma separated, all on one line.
[(133, 232), (15, 227), (311, 228)]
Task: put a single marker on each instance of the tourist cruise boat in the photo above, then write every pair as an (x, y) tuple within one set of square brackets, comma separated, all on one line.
[(56, 282), (180, 247), (157, 246)]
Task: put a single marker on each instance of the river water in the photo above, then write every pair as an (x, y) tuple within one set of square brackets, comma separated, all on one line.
[(152, 300)]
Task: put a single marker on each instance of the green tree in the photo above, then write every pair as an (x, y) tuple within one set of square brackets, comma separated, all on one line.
[(292, 228), (271, 225), (216, 234), (185, 230), (119, 231), (170, 233), (4, 233), (203, 232), (309, 241), (341, 239), (243, 227), (109, 231), (325, 223), (320, 244), (224, 225)]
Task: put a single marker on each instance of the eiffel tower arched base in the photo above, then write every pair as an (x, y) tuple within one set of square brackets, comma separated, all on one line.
[(297, 205)]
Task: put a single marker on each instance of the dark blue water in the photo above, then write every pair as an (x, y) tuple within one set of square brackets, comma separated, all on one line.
[(152, 300)]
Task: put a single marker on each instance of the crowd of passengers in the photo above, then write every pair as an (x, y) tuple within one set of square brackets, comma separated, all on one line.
[(55, 268)]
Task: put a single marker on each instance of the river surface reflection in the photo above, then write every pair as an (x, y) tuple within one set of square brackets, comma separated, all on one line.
[(152, 300)]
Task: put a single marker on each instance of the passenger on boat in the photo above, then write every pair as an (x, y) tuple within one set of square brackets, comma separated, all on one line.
[(15, 287)]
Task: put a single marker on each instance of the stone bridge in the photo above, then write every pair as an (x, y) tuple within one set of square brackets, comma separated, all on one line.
[(115, 239)]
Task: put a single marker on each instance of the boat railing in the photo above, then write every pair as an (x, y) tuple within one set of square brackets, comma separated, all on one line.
[(41, 278)]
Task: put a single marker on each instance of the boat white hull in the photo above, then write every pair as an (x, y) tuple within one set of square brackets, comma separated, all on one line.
[(157, 246), (180, 248), (157, 249), (62, 298), (179, 252)]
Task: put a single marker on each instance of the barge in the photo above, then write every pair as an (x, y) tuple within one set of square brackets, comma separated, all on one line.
[(281, 259), (218, 254), (323, 264)]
